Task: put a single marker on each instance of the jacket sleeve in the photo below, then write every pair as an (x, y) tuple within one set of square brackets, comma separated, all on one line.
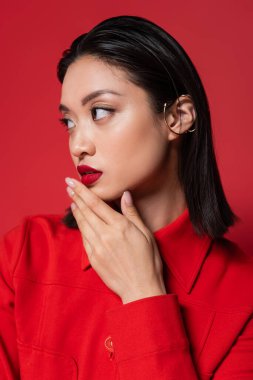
[(10, 249), (148, 340), (238, 364)]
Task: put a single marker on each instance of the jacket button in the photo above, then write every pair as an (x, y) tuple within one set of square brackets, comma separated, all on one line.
[(109, 347)]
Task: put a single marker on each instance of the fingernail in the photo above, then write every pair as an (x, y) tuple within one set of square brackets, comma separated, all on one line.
[(73, 206), (128, 198), (70, 191), (69, 182)]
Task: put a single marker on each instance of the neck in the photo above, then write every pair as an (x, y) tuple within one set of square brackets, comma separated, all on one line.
[(156, 213)]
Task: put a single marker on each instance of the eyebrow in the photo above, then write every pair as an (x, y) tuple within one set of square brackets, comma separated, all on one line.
[(89, 97)]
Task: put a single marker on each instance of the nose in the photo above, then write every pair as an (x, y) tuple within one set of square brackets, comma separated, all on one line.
[(80, 144)]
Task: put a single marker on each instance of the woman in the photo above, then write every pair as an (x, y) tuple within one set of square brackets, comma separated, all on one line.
[(136, 281)]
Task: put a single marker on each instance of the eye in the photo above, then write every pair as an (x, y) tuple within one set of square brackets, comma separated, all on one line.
[(99, 112), (69, 124)]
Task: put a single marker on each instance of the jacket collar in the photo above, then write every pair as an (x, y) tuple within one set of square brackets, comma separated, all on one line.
[(181, 248)]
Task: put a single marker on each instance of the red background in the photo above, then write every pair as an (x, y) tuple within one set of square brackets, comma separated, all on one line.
[(34, 148)]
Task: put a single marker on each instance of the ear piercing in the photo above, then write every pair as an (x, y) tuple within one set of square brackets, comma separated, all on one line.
[(164, 113)]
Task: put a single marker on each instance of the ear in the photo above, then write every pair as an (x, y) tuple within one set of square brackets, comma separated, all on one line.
[(179, 117)]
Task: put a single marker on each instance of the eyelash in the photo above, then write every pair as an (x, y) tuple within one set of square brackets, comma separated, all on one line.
[(101, 108), (65, 120)]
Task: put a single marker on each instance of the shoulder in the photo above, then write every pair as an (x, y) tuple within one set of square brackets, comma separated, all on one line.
[(231, 269), (40, 234), (50, 224), (41, 223), (26, 225), (229, 252)]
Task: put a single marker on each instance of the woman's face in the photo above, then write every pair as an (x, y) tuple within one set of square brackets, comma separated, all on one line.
[(116, 131)]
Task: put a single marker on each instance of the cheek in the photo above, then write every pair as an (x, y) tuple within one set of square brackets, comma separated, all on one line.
[(136, 152), (73, 157)]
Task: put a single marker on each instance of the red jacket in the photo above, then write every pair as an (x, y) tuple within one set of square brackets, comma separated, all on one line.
[(59, 321)]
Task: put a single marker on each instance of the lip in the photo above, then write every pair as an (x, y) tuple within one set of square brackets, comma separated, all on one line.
[(88, 179), (83, 169)]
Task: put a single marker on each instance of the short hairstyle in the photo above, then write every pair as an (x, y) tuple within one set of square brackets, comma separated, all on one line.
[(156, 62)]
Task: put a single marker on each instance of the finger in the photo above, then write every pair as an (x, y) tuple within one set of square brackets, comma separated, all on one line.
[(90, 239), (97, 205), (88, 249), (88, 215), (130, 211), (86, 230)]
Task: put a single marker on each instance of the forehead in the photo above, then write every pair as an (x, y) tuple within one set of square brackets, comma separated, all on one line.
[(91, 71), (90, 74)]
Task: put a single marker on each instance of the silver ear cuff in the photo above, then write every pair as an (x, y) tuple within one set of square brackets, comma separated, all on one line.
[(164, 114)]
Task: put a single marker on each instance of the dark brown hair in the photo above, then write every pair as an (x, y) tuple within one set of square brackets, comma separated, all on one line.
[(155, 61)]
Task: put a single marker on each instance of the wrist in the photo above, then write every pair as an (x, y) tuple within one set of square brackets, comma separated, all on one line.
[(143, 294)]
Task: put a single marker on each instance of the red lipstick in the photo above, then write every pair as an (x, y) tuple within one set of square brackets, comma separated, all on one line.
[(89, 174)]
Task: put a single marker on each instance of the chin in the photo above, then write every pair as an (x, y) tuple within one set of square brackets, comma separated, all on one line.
[(107, 196)]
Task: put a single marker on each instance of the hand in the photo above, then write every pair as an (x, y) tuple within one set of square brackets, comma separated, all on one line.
[(120, 247)]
